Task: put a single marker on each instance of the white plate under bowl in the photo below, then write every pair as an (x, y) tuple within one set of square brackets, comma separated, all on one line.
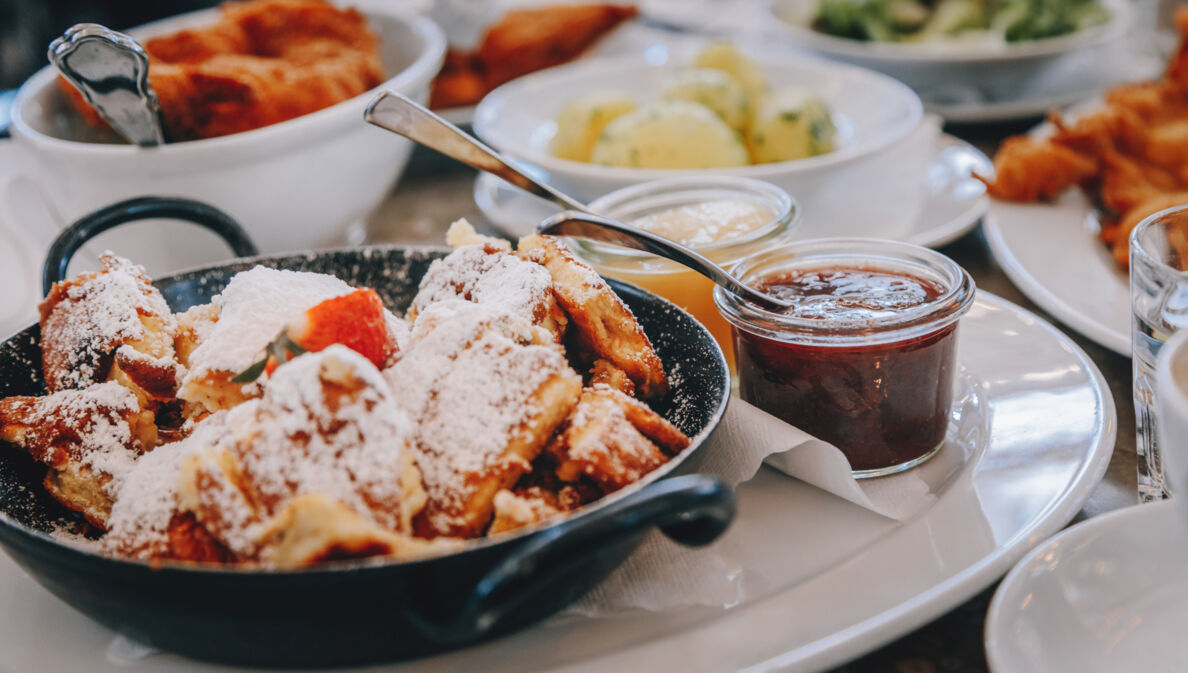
[(1051, 252), (1107, 595), (953, 201), (819, 580)]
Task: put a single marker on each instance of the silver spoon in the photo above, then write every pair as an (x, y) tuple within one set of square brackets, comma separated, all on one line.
[(110, 69), (401, 115)]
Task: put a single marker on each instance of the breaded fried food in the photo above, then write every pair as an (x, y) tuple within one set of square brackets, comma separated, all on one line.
[(1128, 155), (1028, 170), (262, 62), (605, 322), (109, 325), (523, 41), (89, 438), (614, 439), (484, 401)]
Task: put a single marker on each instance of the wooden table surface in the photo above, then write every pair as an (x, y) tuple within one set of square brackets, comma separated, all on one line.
[(435, 191)]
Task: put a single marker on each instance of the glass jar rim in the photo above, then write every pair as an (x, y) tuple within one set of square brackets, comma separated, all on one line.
[(786, 215), (873, 253), (1137, 249)]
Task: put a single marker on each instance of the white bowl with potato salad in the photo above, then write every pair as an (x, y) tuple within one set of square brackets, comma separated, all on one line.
[(599, 125)]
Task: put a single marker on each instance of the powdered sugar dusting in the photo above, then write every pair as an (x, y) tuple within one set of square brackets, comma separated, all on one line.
[(327, 424), (90, 427), (253, 308), (468, 386), (147, 499), (486, 276), (85, 319)]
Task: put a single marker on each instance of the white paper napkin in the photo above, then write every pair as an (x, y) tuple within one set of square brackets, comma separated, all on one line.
[(663, 575)]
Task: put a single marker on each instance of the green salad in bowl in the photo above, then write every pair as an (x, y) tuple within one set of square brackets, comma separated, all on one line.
[(956, 20)]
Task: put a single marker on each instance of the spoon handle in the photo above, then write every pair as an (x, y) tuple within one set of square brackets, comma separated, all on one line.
[(398, 114), (584, 225), (111, 71)]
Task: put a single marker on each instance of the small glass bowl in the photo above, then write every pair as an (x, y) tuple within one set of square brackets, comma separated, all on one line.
[(670, 280), (880, 388)]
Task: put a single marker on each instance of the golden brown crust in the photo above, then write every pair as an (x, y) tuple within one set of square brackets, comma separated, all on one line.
[(523, 41), (88, 438), (614, 440), (1128, 155), (262, 62), (605, 322), (86, 319)]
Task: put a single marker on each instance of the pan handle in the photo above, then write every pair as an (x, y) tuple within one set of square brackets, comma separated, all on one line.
[(692, 510), (143, 208)]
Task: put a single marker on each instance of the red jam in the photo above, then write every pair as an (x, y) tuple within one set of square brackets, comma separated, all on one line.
[(882, 404)]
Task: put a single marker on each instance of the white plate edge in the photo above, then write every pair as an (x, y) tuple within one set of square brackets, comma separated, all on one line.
[(897, 622), (1045, 298), (995, 656)]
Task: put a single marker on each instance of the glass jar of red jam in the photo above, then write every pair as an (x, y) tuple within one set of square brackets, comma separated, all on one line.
[(865, 358)]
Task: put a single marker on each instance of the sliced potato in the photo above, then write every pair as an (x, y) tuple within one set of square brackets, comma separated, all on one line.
[(715, 89), (583, 118), (723, 55), (669, 134), (790, 123)]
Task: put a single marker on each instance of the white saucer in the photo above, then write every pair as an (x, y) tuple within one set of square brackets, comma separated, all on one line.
[(809, 580), (953, 201), (1051, 252), (1105, 596)]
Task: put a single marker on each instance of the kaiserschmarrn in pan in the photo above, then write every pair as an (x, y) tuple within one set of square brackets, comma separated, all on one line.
[(295, 419)]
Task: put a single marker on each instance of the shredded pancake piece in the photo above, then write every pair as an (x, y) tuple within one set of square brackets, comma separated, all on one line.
[(485, 274), (614, 439), (146, 522), (602, 319), (248, 314), (86, 320), (89, 438), (483, 403), (326, 425)]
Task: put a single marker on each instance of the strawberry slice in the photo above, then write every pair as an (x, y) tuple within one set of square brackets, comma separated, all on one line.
[(355, 320)]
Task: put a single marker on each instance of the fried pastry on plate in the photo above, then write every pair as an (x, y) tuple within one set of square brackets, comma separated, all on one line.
[(484, 401), (109, 325), (614, 440), (605, 322), (89, 438)]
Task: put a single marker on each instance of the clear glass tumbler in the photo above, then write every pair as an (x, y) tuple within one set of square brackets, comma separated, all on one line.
[(1159, 308)]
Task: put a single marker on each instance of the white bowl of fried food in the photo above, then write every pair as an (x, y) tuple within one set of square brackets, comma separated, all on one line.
[(594, 127), (262, 105)]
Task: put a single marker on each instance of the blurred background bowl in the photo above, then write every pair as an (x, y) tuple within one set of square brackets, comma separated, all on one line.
[(304, 183), (926, 66), (873, 114)]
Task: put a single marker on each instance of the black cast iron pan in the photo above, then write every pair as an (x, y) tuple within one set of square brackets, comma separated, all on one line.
[(376, 609)]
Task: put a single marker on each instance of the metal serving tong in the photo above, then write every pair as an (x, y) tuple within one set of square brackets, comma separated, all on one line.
[(110, 69), (394, 112)]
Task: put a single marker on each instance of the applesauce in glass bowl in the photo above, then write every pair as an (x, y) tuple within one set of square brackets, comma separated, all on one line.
[(722, 217)]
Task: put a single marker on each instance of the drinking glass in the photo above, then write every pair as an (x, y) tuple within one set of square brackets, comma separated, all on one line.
[(1159, 303), (1172, 387)]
